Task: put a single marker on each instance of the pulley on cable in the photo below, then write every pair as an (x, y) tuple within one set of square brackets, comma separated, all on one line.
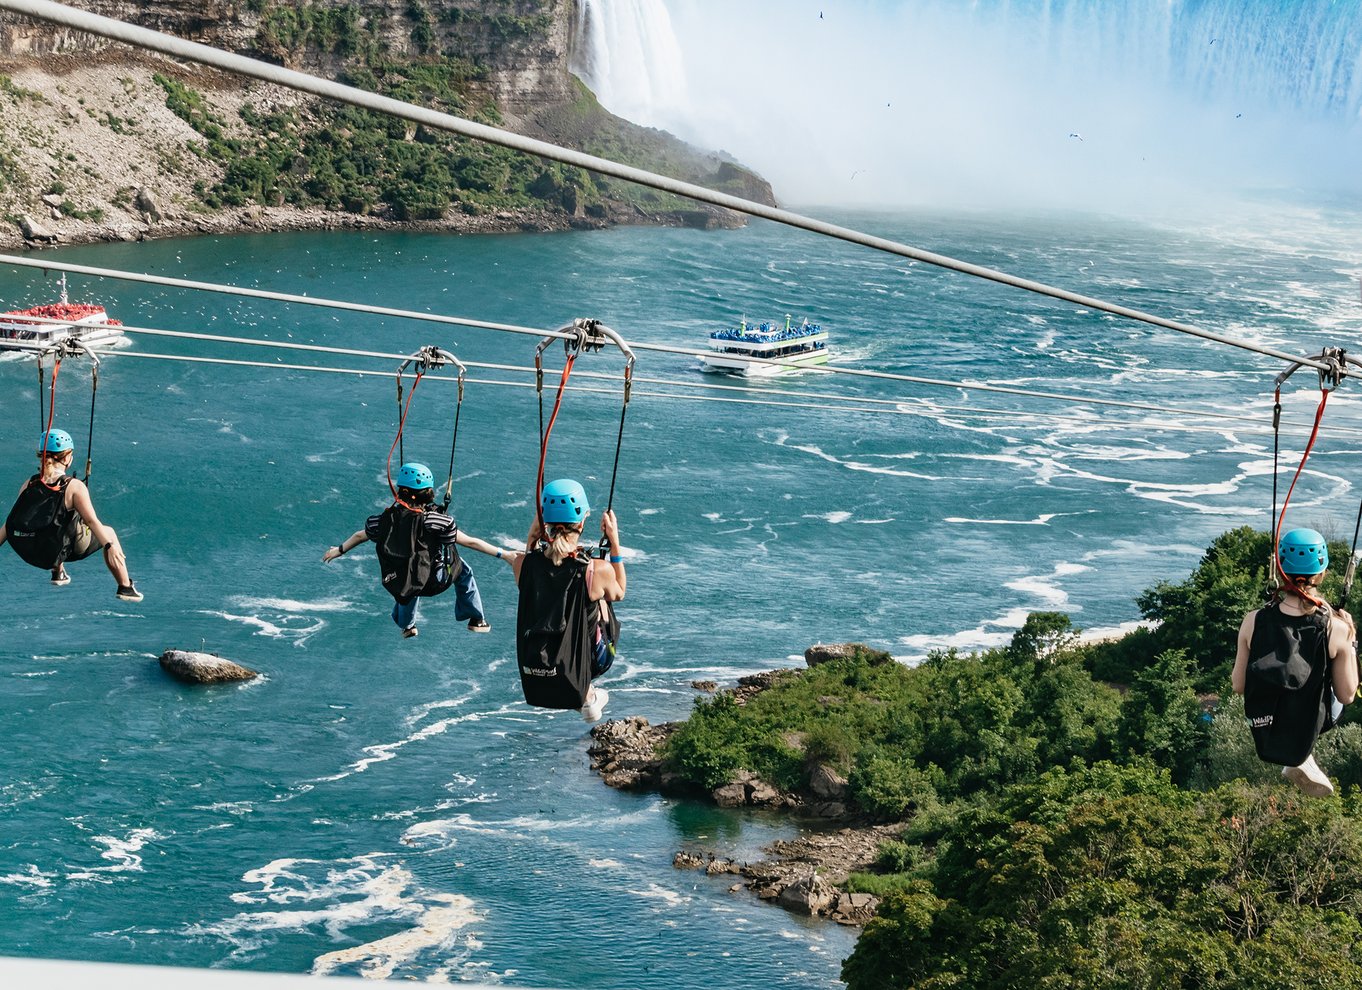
[(427, 359), (1335, 361), (583, 336)]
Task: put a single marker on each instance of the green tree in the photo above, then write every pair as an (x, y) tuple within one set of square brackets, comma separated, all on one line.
[(1161, 717)]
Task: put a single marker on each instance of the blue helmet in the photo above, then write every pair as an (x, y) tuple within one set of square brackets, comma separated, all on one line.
[(55, 442), (416, 477), (1303, 551), (564, 501)]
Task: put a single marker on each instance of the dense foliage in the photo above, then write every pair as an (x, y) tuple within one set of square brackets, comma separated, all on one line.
[(1075, 815)]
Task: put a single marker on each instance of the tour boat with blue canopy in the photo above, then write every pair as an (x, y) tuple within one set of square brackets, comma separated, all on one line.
[(744, 349)]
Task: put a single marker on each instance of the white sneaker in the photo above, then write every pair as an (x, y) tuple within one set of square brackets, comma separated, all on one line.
[(1309, 778), (595, 704)]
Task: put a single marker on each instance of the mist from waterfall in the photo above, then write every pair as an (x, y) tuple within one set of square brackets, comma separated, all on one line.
[(1149, 105), (627, 53)]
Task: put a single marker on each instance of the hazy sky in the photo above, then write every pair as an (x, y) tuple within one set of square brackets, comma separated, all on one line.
[(1091, 104)]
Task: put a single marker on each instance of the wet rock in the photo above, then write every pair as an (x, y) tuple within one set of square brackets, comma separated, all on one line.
[(627, 752), (709, 687), (717, 866), (204, 668), (687, 861), (730, 795)]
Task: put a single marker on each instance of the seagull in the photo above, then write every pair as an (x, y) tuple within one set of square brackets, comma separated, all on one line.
[(857, 172), (1213, 41), (1238, 115), (820, 15), (1076, 134)]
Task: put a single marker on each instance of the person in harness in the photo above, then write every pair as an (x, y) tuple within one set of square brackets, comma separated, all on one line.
[(53, 522), (416, 544), (1296, 664), (566, 630)]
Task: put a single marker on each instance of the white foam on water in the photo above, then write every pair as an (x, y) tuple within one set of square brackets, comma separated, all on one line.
[(659, 893), (35, 673), (231, 807), (1044, 587), (335, 895), (436, 928), (649, 512), (292, 606), (713, 517), (603, 864), (990, 632), (782, 440), (32, 877), (382, 752), (835, 517), (122, 854), (1041, 520), (265, 627)]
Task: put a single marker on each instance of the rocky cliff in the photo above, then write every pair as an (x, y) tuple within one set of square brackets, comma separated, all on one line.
[(101, 141)]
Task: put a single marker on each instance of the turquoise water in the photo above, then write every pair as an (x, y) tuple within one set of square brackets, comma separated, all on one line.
[(392, 807)]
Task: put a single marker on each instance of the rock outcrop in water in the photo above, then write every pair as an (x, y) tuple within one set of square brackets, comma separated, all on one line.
[(204, 668), (808, 874)]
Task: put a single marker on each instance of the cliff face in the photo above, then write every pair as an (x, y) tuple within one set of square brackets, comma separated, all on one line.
[(523, 44), (98, 140)]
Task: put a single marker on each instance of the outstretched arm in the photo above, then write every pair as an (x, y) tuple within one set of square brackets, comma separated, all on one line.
[(482, 546), (345, 546)]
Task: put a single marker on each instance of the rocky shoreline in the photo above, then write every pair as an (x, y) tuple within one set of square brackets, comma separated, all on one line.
[(806, 875)]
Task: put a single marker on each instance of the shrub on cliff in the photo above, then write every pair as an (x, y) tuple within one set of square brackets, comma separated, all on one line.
[(1112, 877)]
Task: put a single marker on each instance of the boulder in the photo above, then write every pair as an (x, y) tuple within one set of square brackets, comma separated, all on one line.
[(809, 895), (146, 205), (855, 909), (825, 652), (762, 793), (53, 200), (34, 231), (730, 795), (827, 784), (709, 687), (204, 668), (687, 861)]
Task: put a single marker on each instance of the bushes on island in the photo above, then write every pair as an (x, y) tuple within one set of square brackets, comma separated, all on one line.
[(1076, 815)]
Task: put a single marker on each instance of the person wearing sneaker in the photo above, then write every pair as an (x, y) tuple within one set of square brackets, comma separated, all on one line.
[(417, 552), (53, 522), (1296, 664), (566, 629)]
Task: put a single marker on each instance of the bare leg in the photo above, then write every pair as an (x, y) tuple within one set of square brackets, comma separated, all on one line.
[(118, 568)]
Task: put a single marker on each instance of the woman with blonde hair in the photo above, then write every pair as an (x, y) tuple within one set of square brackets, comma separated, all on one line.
[(53, 522), (566, 630), (1296, 665)]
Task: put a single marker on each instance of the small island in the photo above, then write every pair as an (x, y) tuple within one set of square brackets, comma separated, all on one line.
[(1052, 812)]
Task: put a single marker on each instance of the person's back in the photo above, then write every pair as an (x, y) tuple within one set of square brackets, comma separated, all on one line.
[(1296, 664), (566, 630)]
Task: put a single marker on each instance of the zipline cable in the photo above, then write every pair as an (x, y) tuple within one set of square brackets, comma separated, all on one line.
[(1010, 415), (692, 352), (179, 48)]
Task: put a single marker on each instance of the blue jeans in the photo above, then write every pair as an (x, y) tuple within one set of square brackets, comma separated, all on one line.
[(467, 601)]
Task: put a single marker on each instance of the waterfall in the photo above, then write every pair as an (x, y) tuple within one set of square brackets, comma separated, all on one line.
[(627, 54), (1088, 103)]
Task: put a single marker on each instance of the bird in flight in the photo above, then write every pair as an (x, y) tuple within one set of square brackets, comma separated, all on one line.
[(1076, 134)]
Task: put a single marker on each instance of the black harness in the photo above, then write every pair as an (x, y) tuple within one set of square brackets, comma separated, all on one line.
[(411, 566), (40, 526), (1288, 694)]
